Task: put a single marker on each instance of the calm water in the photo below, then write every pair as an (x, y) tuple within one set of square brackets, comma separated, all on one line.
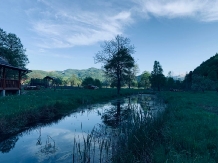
[(55, 142)]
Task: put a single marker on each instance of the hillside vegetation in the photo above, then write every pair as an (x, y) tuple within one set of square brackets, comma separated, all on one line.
[(208, 68), (91, 72)]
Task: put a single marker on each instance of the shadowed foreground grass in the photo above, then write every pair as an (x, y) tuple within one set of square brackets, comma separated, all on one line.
[(190, 128), (186, 132), (35, 106)]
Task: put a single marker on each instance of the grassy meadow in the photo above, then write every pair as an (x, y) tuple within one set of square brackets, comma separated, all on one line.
[(186, 132), (190, 128)]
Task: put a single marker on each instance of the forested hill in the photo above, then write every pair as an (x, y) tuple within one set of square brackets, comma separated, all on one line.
[(209, 68), (91, 72)]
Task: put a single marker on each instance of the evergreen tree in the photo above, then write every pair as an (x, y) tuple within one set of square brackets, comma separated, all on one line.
[(157, 78)]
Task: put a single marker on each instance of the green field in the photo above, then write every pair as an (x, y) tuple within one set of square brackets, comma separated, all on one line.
[(190, 128), (186, 132)]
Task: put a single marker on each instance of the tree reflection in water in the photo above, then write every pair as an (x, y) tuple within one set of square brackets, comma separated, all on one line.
[(123, 123), (7, 145), (116, 114)]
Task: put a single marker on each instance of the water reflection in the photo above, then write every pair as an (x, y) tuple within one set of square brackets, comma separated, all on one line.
[(49, 148), (116, 113), (73, 139), (39, 140), (7, 145)]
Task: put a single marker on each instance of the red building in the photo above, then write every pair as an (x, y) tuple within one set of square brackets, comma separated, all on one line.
[(10, 77)]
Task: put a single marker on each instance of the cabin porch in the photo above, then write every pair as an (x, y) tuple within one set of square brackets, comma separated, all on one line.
[(10, 78), (9, 86)]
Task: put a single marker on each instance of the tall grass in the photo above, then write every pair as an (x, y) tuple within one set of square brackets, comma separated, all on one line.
[(186, 131), (190, 128), (132, 140)]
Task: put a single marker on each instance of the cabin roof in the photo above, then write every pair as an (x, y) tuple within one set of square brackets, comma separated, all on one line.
[(4, 63)]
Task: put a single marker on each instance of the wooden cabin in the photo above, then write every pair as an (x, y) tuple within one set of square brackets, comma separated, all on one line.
[(10, 77), (46, 82)]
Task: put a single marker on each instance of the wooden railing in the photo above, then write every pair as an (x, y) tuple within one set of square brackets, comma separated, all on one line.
[(9, 84)]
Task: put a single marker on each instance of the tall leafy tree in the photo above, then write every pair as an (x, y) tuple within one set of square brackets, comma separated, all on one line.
[(97, 83), (131, 75), (157, 78), (117, 59), (87, 81), (144, 80), (90, 81), (12, 49), (74, 80)]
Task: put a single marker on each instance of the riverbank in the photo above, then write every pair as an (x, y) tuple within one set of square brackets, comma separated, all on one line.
[(190, 128), (18, 112), (187, 131)]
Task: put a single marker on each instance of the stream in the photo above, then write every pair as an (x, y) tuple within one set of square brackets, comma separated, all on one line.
[(87, 130)]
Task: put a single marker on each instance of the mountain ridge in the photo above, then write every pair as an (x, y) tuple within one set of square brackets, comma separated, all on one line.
[(83, 73)]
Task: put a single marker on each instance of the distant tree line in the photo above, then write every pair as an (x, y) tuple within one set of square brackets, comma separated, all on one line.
[(119, 68)]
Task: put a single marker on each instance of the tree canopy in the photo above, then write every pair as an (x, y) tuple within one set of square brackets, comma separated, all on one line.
[(117, 59), (144, 80), (204, 77), (12, 49), (208, 69), (157, 78), (74, 80), (90, 81)]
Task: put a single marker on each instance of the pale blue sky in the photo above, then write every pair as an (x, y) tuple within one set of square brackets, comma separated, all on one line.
[(62, 34)]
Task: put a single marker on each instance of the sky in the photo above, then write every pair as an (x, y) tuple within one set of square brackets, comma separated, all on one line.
[(66, 34)]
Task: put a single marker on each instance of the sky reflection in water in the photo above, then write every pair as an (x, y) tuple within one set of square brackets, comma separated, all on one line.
[(54, 143)]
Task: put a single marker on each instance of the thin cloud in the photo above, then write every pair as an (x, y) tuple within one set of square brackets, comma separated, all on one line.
[(68, 24), (199, 9), (63, 27)]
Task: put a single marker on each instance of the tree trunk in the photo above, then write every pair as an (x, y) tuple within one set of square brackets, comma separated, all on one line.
[(118, 82), (118, 118), (118, 86)]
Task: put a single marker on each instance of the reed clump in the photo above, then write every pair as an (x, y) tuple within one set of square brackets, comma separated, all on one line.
[(131, 138)]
